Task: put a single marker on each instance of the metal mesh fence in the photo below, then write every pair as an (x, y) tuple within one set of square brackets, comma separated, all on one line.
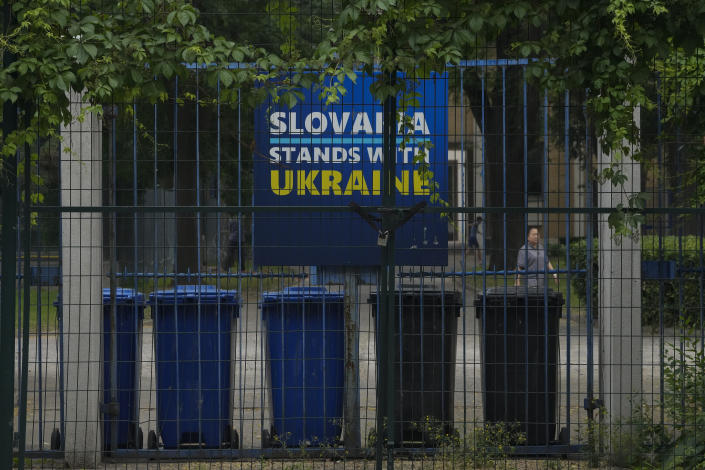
[(196, 291)]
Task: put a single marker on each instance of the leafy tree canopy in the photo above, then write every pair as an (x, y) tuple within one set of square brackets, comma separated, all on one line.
[(131, 51), (611, 48)]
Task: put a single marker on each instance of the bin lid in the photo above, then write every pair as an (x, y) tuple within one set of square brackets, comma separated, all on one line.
[(123, 296), (496, 293), (408, 293), (206, 294), (412, 295), (303, 293)]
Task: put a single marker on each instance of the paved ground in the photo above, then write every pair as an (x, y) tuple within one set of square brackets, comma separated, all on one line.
[(435, 463)]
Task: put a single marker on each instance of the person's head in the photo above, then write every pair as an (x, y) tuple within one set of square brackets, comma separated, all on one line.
[(532, 236), (479, 219)]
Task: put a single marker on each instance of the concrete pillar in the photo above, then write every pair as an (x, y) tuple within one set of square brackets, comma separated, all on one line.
[(456, 158), (82, 254), (619, 300)]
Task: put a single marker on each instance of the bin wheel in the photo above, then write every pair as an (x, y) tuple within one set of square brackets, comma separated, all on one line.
[(275, 441), (134, 442), (234, 440), (55, 439), (230, 438), (266, 439), (372, 438), (152, 442)]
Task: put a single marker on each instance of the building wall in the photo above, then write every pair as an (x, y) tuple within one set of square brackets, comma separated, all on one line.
[(465, 135)]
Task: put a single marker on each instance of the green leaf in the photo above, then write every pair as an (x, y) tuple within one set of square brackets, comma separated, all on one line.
[(241, 76), (87, 29), (476, 23), (135, 75), (61, 17), (238, 55), (60, 83), (183, 18), (74, 49), (166, 70), (147, 6), (75, 30), (225, 77), (91, 50), (188, 55), (7, 96), (289, 99)]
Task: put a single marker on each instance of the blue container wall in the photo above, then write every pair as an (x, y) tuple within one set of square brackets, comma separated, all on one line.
[(193, 386), (306, 354), (129, 337)]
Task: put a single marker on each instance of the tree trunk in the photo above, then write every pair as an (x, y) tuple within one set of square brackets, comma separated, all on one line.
[(503, 130), (186, 228)]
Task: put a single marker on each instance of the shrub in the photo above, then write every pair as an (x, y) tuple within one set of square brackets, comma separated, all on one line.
[(677, 443), (684, 404), (578, 260), (556, 250), (689, 260), (687, 256)]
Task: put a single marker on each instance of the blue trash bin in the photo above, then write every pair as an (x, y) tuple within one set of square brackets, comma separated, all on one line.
[(305, 345), (129, 313), (192, 326)]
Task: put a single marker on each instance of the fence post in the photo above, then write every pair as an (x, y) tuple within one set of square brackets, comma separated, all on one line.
[(8, 283), (82, 254), (385, 333), (7, 293), (351, 431), (619, 303)]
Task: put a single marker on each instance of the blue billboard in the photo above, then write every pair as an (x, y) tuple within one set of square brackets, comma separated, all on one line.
[(315, 154)]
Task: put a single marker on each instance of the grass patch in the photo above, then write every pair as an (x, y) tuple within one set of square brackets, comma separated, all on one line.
[(41, 309), (248, 282)]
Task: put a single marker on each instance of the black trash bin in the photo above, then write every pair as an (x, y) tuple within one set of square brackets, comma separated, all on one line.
[(519, 359), (424, 374)]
